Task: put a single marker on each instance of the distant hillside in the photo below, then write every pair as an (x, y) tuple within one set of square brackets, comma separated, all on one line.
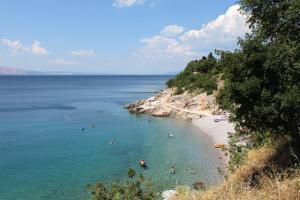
[(16, 71)]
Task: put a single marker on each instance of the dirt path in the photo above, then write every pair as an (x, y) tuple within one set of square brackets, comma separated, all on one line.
[(204, 112)]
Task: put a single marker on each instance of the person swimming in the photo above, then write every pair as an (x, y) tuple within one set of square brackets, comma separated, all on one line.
[(143, 163), (171, 135), (193, 171), (82, 129), (111, 142), (172, 170)]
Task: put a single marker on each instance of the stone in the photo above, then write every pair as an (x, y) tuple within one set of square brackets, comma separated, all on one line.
[(198, 185)]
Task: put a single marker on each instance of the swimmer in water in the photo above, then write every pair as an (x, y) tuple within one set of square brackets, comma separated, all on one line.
[(82, 129), (111, 142), (193, 171), (172, 170)]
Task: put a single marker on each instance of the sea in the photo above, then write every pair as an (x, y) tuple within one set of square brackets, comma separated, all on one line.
[(60, 133)]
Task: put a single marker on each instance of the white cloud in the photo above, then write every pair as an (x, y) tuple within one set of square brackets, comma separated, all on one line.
[(37, 49), (160, 47), (174, 42), (219, 33), (17, 47), (127, 3), (82, 53), (172, 31), (62, 61)]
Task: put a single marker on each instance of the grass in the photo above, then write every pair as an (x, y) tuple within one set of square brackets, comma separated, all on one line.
[(260, 178)]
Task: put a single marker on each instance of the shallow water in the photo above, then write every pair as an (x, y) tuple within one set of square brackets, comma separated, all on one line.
[(45, 154)]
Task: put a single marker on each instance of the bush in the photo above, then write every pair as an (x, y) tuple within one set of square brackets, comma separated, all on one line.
[(133, 189), (198, 75)]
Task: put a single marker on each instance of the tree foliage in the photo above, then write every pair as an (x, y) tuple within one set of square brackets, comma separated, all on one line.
[(198, 75), (273, 18), (134, 189), (262, 77)]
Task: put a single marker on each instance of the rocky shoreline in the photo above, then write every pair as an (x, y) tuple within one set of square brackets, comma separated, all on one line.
[(183, 106), (198, 109)]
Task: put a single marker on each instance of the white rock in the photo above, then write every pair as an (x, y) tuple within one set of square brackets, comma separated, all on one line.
[(168, 194)]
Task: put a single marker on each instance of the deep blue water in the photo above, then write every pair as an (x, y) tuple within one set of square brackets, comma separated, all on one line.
[(45, 155)]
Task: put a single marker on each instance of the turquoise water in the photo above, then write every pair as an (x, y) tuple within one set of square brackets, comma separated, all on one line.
[(45, 154)]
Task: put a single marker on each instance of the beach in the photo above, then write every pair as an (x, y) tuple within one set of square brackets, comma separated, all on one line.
[(217, 131), (200, 110)]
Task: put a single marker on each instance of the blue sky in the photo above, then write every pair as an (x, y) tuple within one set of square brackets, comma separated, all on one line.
[(115, 36)]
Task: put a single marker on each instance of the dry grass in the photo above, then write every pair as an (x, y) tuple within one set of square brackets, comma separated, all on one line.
[(252, 182)]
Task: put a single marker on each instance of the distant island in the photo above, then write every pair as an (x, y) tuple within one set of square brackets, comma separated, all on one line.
[(24, 72), (17, 71)]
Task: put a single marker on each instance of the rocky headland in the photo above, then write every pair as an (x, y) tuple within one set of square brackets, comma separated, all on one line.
[(184, 106)]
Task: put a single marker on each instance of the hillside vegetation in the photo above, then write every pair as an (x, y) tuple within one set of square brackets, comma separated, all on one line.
[(198, 75)]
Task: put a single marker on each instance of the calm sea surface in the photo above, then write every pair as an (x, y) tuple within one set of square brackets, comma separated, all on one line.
[(44, 154)]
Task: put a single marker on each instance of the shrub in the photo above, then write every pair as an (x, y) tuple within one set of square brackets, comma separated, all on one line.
[(133, 189)]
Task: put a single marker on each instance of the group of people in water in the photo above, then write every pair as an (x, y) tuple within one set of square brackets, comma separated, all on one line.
[(171, 171), (141, 162), (91, 126), (172, 168), (94, 126)]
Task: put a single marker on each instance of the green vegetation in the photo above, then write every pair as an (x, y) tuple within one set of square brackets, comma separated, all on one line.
[(198, 75), (131, 173), (262, 87), (134, 189)]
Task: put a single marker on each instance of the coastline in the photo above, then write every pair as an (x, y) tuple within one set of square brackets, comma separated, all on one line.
[(200, 110), (197, 109), (217, 131)]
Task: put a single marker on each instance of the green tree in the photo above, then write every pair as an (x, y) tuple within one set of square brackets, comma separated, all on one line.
[(262, 77), (273, 18), (131, 173), (198, 75), (133, 189)]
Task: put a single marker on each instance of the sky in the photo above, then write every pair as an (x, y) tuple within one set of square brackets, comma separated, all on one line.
[(115, 36)]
